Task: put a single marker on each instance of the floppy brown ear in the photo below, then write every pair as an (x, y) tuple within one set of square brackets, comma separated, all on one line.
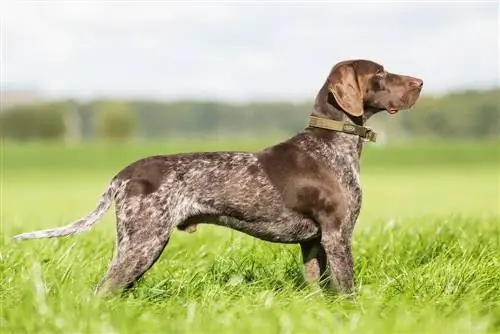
[(343, 84)]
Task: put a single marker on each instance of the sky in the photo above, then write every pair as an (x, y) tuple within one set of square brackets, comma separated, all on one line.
[(253, 50)]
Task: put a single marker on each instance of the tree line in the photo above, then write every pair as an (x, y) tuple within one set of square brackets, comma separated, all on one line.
[(465, 114)]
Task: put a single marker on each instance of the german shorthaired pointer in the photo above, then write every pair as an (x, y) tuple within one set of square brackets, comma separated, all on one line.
[(305, 190)]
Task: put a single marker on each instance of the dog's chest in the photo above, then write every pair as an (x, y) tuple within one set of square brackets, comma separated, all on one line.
[(347, 170), (343, 160)]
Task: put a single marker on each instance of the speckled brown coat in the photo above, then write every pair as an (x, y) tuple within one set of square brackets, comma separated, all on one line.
[(305, 190)]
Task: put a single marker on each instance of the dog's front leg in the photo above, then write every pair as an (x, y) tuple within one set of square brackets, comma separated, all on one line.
[(338, 253)]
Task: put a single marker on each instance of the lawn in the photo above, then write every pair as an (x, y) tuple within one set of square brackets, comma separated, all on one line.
[(427, 250)]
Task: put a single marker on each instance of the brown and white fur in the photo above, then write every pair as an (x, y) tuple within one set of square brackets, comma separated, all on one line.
[(304, 190)]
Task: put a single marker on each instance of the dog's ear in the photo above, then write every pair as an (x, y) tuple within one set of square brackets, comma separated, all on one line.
[(343, 84)]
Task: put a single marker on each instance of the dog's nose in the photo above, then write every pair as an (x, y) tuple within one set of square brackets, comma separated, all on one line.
[(416, 83)]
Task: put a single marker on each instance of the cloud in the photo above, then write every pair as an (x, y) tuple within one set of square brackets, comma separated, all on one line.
[(239, 52)]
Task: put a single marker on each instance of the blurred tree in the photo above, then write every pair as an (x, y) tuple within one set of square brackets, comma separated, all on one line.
[(114, 120), (487, 122), (34, 122), (468, 114)]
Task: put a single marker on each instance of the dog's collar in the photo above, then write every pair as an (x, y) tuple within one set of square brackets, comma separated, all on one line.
[(362, 131)]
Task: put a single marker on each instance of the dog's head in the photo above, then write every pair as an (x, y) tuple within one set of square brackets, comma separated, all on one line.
[(362, 85)]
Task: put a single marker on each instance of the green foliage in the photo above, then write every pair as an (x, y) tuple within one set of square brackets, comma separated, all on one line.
[(469, 114), (200, 118), (31, 122), (113, 120)]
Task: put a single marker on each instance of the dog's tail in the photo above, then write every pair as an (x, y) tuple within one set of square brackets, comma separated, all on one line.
[(81, 225)]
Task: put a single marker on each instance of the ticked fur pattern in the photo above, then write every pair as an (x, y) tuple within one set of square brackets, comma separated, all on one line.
[(305, 190)]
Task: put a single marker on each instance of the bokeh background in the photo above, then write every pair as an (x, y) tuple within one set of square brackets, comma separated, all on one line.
[(89, 86), (87, 71)]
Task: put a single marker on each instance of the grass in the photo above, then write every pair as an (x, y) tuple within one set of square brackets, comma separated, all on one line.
[(427, 251)]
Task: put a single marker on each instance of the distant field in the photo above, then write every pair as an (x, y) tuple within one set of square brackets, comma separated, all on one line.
[(427, 250), (100, 156)]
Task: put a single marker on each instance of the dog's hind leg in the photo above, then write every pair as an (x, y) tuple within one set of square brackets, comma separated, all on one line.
[(314, 259), (143, 231), (136, 253)]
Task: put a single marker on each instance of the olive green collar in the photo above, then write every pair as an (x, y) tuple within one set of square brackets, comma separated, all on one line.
[(362, 131)]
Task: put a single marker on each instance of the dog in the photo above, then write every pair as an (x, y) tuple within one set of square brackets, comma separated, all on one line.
[(304, 190)]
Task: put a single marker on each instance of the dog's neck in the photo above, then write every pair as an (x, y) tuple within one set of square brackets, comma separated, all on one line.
[(325, 106)]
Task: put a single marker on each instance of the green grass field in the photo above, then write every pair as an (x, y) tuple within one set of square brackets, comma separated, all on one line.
[(426, 247)]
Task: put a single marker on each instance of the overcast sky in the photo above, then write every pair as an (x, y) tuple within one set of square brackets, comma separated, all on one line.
[(252, 50)]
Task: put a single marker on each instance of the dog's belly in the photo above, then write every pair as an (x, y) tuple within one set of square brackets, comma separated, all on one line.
[(289, 229)]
